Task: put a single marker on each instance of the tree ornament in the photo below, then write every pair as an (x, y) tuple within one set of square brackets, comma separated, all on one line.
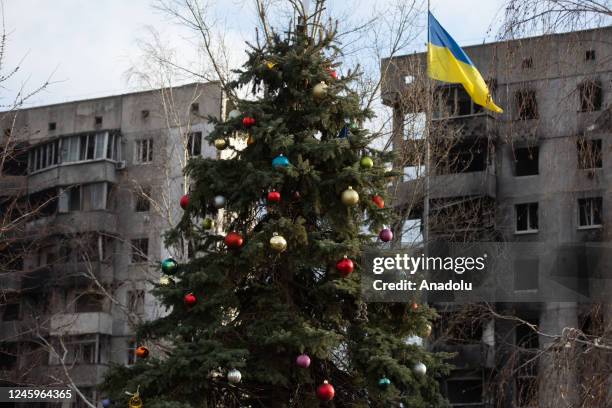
[(219, 201), (320, 90), (280, 161), (250, 140), (332, 73), (233, 240), (169, 266), (278, 242), (135, 401), (220, 143), (190, 300), (354, 126), (164, 280), (414, 306), (350, 197), (326, 391), (234, 114), (248, 121), (270, 64), (184, 201), (234, 376), (419, 368), (208, 223), (384, 383), (367, 162), (385, 235), (106, 403), (142, 352), (303, 360), (428, 330), (344, 132), (379, 201), (274, 196), (345, 266), (296, 195)]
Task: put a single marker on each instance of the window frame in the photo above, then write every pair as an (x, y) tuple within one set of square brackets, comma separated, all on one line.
[(138, 255), (140, 155), (529, 230), (591, 216)]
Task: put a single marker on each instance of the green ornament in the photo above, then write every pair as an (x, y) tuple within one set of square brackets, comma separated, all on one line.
[(354, 126), (208, 223), (384, 383), (367, 162), (169, 266)]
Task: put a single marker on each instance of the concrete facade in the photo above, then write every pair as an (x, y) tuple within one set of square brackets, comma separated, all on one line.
[(81, 280), (569, 189)]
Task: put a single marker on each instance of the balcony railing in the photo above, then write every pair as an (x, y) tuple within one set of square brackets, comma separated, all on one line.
[(478, 183), (73, 173), (74, 222), (81, 323)]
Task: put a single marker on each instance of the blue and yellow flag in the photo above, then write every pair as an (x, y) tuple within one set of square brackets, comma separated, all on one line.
[(447, 62)]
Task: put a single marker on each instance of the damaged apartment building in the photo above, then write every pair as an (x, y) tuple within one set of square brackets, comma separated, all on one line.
[(87, 190), (537, 177)]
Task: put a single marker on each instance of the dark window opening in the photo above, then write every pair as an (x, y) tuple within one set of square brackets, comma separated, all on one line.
[(52, 126), (7, 132), (527, 63), (591, 96), (143, 202), (464, 157), (144, 113), (140, 250), (589, 211), (455, 101), (527, 161), (589, 154), (589, 55), (195, 107), (526, 217), (15, 161), (527, 105), (98, 120), (526, 274), (194, 144), (464, 391), (11, 312), (8, 356), (89, 303)]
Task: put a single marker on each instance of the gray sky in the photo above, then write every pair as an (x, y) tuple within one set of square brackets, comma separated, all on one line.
[(88, 46)]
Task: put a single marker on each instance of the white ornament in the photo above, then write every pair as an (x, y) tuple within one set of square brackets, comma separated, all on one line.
[(234, 114), (419, 368), (234, 376), (219, 201)]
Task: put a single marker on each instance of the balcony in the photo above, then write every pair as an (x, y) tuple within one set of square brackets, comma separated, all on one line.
[(478, 183), (81, 323), (81, 273), (85, 374), (83, 172), (74, 222), (476, 125), (12, 185)]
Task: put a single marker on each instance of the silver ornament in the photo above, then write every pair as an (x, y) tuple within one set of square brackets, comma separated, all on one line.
[(219, 201), (419, 368), (234, 376), (234, 114)]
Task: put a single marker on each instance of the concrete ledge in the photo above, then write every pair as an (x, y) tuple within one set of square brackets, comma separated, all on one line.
[(66, 174), (480, 183), (81, 323)]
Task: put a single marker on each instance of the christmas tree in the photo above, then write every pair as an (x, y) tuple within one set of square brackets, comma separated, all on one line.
[(269, 313)]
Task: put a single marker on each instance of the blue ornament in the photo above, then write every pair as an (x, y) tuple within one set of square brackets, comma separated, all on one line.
[(106, 403), (384, 383), (280, 161), (344, 132)]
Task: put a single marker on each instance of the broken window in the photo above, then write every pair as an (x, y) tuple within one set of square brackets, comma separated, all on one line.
[(527, 106), (463, 157), (144, 113), (526, 161), (89, 303), (526, 217), (194, 144), (589, 154), (135, 301), (52, 126), (83, 198), (98, 120), (15, 161), (466, 391), (589, 211), (140, 250), (144, 151), (589, 55), (195, 107), (143, 202), (455, 101), (526, 274), (591, 96)]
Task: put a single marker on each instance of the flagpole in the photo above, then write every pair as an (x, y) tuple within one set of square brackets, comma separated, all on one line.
[(428, 109)]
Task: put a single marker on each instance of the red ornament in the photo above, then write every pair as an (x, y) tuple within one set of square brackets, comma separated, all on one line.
[(184, 201), (190, 299), (233, 240), (415, 306), (274, 197), (332, 73), (142, 352), (345, 266), (248, 121), (378, 200), (326, 392)]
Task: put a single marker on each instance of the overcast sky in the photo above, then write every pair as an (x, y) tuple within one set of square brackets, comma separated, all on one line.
[(88, 46)]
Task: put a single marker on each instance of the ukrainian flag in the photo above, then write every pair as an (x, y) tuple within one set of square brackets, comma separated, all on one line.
[(447, 62)]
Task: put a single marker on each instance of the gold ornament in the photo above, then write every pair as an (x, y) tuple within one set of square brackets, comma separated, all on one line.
[(220, 144), (135, 401), (270, 64), (427, 330), (350, 197), (320, 90), (278, 243), (250, 140), (164, 280)]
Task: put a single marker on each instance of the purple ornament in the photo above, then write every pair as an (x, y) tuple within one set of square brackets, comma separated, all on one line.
[(106, 403), (385, 235), (303, 361)]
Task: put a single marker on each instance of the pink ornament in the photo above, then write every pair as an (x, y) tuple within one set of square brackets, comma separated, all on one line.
[(385, 235), (303, 361)]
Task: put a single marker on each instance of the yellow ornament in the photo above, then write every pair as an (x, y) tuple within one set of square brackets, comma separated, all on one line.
[(164, 280), (320, 90), (220, 144), (278, 243), (270, 64), (350, 197), (135, 401), (427, 330)]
